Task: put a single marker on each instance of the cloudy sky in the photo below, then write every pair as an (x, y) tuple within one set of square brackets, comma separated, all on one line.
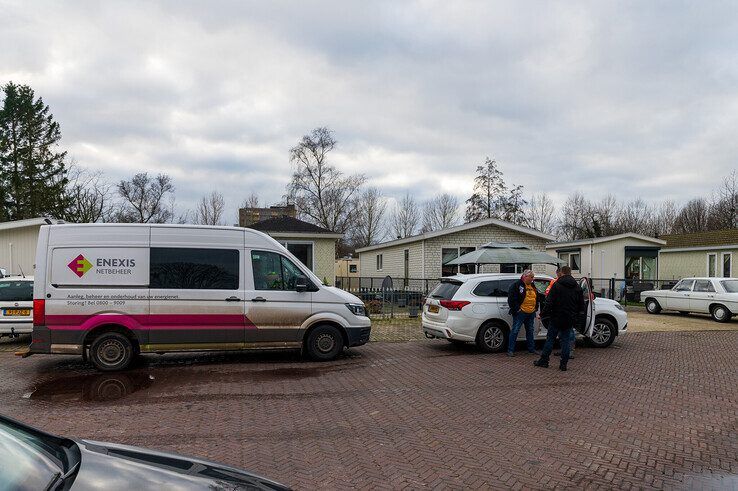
[(631, 98)]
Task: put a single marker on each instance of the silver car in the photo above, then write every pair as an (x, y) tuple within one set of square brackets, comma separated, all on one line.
[(473, 308), (715, 296)]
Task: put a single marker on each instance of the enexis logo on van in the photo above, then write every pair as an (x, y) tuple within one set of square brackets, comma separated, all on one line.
[(80, 265)]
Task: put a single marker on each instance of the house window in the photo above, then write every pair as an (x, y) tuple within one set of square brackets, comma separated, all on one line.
[(727, 260), (641, 263), (571, 259), (514, 268), (379, 262), (301, 250), (449, 254), (712, 265), (353, 268)]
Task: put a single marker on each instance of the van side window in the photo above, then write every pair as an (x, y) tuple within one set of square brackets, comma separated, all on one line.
[(194, 269), (273, 271)]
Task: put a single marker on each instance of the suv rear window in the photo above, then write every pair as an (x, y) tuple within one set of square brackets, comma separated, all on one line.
[(494, 288), (16, 291), (445, 290)]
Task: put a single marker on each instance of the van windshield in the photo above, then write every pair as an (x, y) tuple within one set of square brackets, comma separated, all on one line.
[(445, 290)]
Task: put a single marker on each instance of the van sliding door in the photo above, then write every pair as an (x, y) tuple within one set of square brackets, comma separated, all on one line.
[(196, 298)]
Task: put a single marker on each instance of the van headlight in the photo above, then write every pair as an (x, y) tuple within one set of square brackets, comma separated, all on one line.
[(357, 309), (619, 307)]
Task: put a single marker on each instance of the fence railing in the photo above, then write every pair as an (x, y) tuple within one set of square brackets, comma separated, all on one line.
[(404, 297), (628, 290)]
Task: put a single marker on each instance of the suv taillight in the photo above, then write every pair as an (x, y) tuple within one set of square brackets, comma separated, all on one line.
[(454, 304), (39, 312)]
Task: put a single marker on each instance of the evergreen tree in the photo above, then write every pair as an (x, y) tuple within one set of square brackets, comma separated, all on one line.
[(489, 193), (33, 175)]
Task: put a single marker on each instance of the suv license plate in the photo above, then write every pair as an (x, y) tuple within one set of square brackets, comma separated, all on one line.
[(433, 309)]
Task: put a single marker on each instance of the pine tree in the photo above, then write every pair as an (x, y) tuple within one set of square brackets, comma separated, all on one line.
[(33, 174), (489, 193)]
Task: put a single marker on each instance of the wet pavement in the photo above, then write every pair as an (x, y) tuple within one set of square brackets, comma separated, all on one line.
[(657, 410)]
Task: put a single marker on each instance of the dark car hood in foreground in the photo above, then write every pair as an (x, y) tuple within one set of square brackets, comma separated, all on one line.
[(110, 466)]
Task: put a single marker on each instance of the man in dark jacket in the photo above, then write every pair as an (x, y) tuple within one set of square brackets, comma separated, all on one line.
[(523, 300), (564, 304)]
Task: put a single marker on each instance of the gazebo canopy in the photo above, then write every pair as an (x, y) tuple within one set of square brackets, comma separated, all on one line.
[(505, 253)]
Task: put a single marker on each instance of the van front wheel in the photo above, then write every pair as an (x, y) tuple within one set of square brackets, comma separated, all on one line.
[(111, 351), (324, 343)]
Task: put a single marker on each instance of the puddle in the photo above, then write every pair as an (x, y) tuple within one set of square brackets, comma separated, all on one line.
[(94, 387), (105, 387)]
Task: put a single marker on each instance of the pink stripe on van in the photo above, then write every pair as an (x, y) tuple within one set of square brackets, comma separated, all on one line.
[(150, 321)]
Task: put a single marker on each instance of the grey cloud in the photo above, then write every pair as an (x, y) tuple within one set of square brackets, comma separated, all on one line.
[(623, 97)]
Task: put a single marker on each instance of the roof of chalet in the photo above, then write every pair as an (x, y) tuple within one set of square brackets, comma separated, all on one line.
[(458, 228)]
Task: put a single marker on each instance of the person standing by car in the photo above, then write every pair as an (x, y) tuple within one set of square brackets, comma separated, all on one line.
[(545, 321), (523, 300), (565, 302)]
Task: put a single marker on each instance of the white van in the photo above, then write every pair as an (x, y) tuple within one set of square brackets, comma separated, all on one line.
[(110, 291)]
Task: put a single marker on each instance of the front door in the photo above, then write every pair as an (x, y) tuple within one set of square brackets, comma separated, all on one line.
[(703, 294), (275, 310), (196, 297), (588, 306), (678, 298)]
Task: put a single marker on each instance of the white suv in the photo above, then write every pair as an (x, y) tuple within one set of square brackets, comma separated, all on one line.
[(473, 308)]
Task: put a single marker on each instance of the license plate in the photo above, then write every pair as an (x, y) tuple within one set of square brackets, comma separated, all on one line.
[(433, 309), (17, 312)]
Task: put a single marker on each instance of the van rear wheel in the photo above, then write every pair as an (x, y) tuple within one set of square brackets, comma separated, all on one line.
[(111, 351), (324, 343)]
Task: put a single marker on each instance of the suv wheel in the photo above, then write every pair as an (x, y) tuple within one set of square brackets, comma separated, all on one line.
[(720, 313), (603, 333), (324, 343), (652, 306), (491, 338), (111, 351)]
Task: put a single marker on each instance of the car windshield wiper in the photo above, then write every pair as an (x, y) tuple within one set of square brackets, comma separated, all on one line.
[(62, 478)]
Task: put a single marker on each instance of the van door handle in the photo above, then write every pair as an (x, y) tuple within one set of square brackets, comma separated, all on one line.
[(233, 299), (258, 299)]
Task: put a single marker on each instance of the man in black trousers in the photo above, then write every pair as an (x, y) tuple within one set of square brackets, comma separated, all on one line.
[(564, 304)]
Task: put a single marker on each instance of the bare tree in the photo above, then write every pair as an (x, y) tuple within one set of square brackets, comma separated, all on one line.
[(724, 207), (252, 201), (440, 212), (144, 199), (367, 229), (541, 214), (693, 217), (635, 216), (210, 209), (322, 193), (406, 217), (664, 216), (90, 197)]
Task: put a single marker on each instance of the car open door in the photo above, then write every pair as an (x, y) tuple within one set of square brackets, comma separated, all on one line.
[(587, 320)]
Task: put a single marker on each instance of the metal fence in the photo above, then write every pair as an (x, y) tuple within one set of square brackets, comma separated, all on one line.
[(404, 297), (628, 291), (389, 297)]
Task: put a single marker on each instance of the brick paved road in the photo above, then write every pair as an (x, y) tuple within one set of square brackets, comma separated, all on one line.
[(656, 410)]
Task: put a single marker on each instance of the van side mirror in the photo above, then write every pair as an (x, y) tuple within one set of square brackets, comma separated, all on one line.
[(301, 284)]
